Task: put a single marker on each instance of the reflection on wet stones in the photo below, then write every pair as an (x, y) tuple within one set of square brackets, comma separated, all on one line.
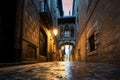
[(61, 71)]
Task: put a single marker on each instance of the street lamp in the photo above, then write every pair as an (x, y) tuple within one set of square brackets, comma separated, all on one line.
[(55, 32), (62, 47)]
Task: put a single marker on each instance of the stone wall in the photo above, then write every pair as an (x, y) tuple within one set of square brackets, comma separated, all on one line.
[(30, 30), (37, 43), (101, 19), (19, 31), (110, 31)]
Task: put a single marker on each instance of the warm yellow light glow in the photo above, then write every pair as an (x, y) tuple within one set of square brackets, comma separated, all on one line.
[(62, 47), (55, 32)]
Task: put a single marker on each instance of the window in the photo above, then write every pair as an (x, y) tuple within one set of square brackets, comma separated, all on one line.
[(43, 5), (91, 43), (67, 34)]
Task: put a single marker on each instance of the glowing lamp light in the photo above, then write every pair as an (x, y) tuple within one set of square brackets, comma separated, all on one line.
[(62, 47), (55, 32)]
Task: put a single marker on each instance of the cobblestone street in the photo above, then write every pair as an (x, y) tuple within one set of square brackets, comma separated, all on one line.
[(61, 71)]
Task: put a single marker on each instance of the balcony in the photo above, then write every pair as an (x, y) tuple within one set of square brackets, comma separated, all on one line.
[(45, 14)]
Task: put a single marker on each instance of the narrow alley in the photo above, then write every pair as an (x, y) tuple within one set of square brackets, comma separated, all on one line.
[(60, 40)]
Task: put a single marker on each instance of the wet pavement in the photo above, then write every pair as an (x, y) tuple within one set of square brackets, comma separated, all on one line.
[(61, 71)]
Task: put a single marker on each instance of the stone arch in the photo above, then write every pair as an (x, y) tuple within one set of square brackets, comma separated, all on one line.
[(66, 43)]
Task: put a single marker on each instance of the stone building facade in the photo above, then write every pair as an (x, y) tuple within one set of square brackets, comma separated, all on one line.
[(31, 29), (99, 32), (27, 31)]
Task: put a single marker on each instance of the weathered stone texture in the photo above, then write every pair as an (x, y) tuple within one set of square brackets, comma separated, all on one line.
[(103, 20), (30, 28), (31, 23), (74, 70)]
